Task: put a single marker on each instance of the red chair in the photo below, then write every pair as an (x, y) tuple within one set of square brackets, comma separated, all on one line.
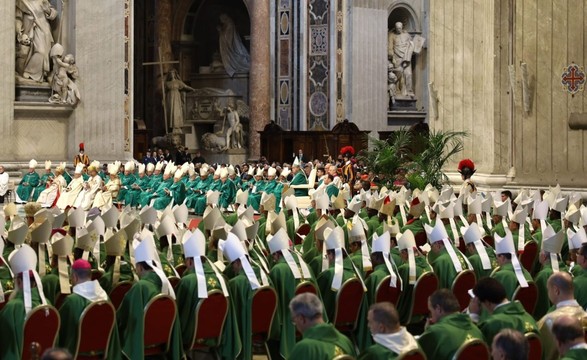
[(306, 287), (263, 311), (461, 285), (421, 238), (174, 281), (41, 326), (489, 240), (415, 354), (209, 322), (94, 331), (528, 296), (97, 274), (473, 349), (60, 299), (534, 346), (160, 314), (302, 231), (423, 288), (528, 257), (117, 293), (348, 303), (181, 268), (388, 293)]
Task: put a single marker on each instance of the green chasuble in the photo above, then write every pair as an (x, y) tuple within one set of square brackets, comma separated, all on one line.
[(70, 312), (176, 192), (580, 282), (187, 302), (27, 185), (197, 192), (475, 261), (285, 285), (441, 340), (51, 287), (130, 318), (160, 192), (507, 277), (508, 316), (125, 185), (414, 225), (324, 280), (498, 229), (322, 342), (242, 302), (42, 185), (405, 298), (227, 194), (12, 319), (445, 269), (200, 203), (299, 179), (133, 195), (126, 274), (575, 354), (378, 352), (373, 280), (6, 279), (255, 193), (543, 302)]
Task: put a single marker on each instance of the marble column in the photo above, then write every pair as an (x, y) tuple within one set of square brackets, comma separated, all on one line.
[(7, 64), (259, 80)]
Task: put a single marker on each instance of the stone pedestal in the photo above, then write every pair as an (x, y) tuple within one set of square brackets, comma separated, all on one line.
[(230, 156), (33, 93), (403, 104), (190, 137)]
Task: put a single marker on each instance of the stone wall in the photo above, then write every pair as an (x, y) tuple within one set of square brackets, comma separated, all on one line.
[(48, 132), (472, 44)]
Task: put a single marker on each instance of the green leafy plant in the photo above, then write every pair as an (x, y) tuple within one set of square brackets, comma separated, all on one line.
[(440, 147), (388, 156), (413, 158)]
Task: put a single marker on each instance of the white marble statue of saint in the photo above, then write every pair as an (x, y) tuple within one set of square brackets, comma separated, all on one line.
[(234, 54), (400, 51), (65, 72), (34, 38), (174, 87)]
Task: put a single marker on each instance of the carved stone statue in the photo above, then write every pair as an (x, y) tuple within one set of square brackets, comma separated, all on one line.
[(391, 82), (232, 137), (399, 52), (34, 38), (62, 79), (174, 86), (234, 54)]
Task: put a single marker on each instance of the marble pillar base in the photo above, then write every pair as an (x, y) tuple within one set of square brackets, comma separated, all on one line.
[(230, 156)]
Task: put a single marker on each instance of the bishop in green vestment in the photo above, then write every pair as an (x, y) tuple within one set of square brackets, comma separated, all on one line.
[(12, 319), (130, 315), (299, 179), (175, 193), (321, 341), (161, 191), (448, 328), (28, 184), (503, 314), (85, 292), (285, 285), (506, 275)]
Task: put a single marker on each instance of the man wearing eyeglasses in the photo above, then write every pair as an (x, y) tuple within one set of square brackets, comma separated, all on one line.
[(321, 341)]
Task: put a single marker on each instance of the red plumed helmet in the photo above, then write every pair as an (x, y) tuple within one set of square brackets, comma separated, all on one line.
[(81, 146), (347, 150), (467, 166)]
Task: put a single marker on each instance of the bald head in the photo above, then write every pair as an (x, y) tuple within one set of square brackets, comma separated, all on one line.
[(568, 332), (563, 281)]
